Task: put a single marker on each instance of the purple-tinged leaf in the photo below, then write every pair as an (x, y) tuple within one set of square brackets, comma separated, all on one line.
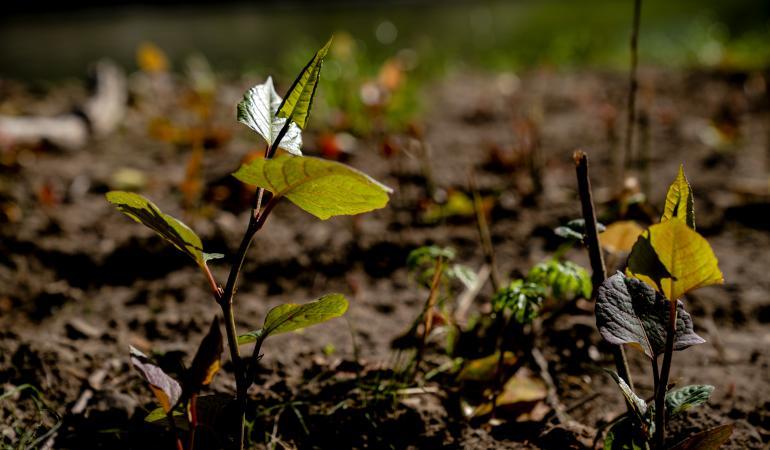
[(166, 389), (629, 311)]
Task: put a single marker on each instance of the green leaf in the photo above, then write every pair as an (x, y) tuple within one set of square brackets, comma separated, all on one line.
[(575, 229), (296, 106), (638, 405), (212, 256), (421, 262), (158, 416), (145, 212), (522, 299), (428, 254), (462, 273), (679, 200), (682, 399), (629, 311), (711, 439), (207, 361), (258, 110), (293, 316), (673, 258), (321, 187), (565, 279), (625, 435)]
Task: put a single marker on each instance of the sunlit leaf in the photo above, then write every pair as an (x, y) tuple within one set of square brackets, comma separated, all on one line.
[(711, 439), (296, 106), (682, 399), (620, 236), (565, 279), (321, 187), (293, 316), (679, 201), (638, 405), (673, 258), (463, 274), (520, 393), (629, 311), (523, 299), (145, 212), (166, 389), (258, 110), (207, 361), (484, 369)]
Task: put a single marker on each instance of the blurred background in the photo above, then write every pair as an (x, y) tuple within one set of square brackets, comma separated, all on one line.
[(469, 109), (44, 41)]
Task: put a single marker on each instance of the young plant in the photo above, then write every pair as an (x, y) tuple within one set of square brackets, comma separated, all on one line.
[(322, 188), (517, 311), (432, 268), (642, 308)]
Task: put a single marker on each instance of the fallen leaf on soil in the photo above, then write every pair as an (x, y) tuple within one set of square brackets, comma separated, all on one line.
[(711, 439), (519, 398), (483, 369), (620, 236)]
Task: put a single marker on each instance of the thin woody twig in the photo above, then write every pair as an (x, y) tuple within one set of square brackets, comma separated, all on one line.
[(594, 250)]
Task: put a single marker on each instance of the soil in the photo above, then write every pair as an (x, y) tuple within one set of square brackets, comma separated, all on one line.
[(79, 282)]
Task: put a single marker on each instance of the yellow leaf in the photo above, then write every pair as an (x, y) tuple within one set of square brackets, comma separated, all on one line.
[(620, 236), (679, 200), (484, 369), (674, 259), (520, 395), (151, 58)]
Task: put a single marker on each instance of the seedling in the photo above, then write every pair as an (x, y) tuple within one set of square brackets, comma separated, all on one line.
[(432, 268), (322, 188), (642, 308)]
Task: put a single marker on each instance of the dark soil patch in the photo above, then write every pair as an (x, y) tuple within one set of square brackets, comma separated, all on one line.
[(79, 282)]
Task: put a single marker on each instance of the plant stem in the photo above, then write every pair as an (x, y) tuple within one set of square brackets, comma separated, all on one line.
[(504, 323), (427, 313), (660, 392), (173, 429), (632, 86), (251, 373), (225, 299), (595, 251), (484, 234)]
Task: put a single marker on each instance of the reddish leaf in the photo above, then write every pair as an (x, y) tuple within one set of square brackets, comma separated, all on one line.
[(166, 389), (207, 360)]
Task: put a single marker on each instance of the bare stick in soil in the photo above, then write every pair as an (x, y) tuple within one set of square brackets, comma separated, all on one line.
[(632, 87), (552, 397), (484, 234), (595, 250), (428, 312)]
